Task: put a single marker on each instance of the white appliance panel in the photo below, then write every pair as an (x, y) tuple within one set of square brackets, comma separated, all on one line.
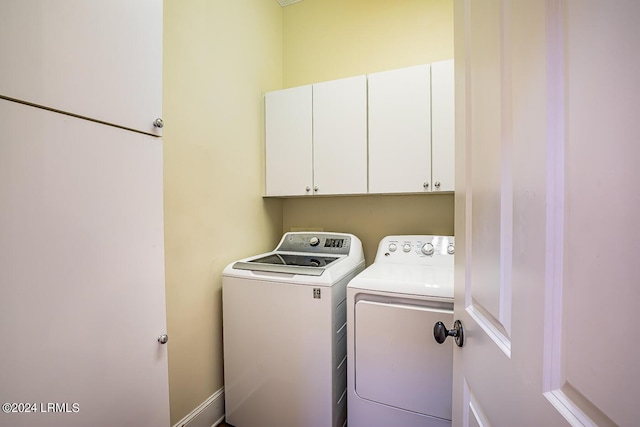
[(416, 280), (398, 362), (268, 354)]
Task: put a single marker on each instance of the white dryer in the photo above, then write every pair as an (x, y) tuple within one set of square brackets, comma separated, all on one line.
[(284, 325), (398, 375)]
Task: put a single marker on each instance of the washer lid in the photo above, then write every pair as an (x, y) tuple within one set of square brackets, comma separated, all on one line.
[(294, 259), (406, 279), (277, 262)]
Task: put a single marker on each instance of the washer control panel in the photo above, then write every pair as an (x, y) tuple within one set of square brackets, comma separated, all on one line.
[(315, 242), (414, 249)]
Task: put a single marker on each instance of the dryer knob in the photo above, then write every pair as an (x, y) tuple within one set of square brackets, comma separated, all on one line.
[(392, 247), (406, 247), (314, 241), (451, 250), (427, 249)]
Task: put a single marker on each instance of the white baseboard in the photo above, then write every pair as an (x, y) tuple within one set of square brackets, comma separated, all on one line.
[(208, 414)]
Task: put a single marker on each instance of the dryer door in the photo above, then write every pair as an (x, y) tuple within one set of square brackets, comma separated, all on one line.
[(397, 361)]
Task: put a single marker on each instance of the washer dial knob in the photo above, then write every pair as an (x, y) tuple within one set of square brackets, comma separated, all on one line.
[(427, 249), (314, 241), (451, 249), (392, 247), (406, 247)]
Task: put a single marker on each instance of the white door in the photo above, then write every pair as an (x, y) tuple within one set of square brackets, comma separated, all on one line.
[(81, 273), (547, 209), (340, 136), (95, 59), (289, 142), (400, 130), (442, 126)]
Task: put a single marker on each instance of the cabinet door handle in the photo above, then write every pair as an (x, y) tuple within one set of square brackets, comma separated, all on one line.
[(425, 185), (315, 188), (437, 184), (159, 123), (307, 189)]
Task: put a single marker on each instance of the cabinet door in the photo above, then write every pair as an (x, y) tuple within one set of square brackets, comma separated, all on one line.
[(442, 126), (96, 59), (288, 123), (82, 272), (400, 130), (340, 136)]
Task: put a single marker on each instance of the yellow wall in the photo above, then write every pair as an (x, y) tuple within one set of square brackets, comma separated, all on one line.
[(330, 39), (218, 59), (372, 217)]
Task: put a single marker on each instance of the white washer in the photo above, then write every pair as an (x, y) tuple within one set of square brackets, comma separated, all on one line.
[(397, 373), (284, 320)]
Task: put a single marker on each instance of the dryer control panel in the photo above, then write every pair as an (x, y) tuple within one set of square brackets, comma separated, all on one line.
[(416, 249)]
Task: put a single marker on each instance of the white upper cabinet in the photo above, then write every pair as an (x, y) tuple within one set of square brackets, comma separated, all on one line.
[(316, 139), (400, 130), (289, 150), (96, 59), (411, 129), (442, 126), (388, 132), (340, 136)]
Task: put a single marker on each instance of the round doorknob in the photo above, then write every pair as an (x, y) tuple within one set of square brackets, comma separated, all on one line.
[(440, 332), (163, 339), (159, 123)]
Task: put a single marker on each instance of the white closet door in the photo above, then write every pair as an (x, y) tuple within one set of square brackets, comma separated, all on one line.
[(81, 272), (289, 158), (400, 130), (340, 136), (96, 59)]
